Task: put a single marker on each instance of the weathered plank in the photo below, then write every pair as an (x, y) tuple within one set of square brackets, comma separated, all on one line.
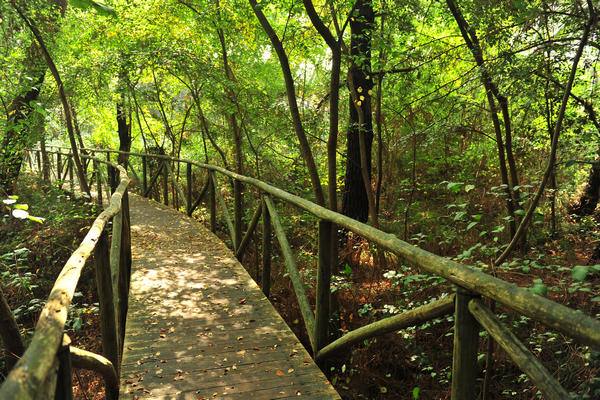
[(198, 325)]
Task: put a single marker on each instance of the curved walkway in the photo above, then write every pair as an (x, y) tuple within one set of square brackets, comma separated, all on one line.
[(198, 326)]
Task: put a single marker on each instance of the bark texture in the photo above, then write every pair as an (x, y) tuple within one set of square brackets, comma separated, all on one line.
[(355, 202)]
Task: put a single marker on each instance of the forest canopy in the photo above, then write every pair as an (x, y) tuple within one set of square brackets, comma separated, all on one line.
[(468, 128)]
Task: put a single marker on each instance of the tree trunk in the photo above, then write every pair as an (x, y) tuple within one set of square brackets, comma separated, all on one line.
[(472, 42), (355, 201), (291, 94), (50, 63), (237, 138), (123, 124)]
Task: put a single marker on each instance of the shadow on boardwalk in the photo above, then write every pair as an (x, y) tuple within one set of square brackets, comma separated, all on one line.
[(198, 325)]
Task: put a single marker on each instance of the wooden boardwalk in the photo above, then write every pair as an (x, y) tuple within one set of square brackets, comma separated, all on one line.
[(198, 326)]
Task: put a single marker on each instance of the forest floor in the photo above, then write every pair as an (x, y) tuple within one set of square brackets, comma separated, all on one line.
[(31, 257), (414, 363)]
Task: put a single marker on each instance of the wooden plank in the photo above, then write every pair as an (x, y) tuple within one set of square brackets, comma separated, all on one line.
[(199, 325)]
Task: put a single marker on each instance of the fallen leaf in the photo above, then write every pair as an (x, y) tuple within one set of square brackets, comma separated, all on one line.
[(244, 300), (280, 373)]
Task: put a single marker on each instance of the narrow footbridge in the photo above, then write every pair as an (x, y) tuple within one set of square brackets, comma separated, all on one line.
[(198, 326), (182, 319)]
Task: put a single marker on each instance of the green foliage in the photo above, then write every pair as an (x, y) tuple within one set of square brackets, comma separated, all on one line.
[(100, 8)]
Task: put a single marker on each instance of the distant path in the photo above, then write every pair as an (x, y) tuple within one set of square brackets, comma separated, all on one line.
[(198, 326)]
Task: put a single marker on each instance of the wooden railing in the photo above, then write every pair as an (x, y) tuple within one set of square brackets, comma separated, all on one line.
[(44, 370), (470, 313)]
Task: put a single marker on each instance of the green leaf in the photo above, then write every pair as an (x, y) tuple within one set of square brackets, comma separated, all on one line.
[(569, 163), (468, 188), (77, 323), (538, 287), (100, 8), (347, 270), (416, 392), (454, 186), (472, 224), (579, 272), (459, 215), (520, 212), (21, 207)]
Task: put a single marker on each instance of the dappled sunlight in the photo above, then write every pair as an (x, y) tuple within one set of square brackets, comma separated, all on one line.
[(198, 324)]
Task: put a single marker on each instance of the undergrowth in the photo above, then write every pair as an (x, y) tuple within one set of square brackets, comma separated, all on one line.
[(32, 255), (416, 363)]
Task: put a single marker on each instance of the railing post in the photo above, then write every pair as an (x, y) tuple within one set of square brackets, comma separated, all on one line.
[(96, 165), (188, 178), (64, 385), (58, 165), (266, 247), (110, 346), (323, 285), (238, 214), (29, 161), (115, 269), (165, 182), (124, 269), (213, 203), (466, 341), (71, 182), (144, 176)]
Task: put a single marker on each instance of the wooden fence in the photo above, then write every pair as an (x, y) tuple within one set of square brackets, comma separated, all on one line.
[(471, 315), (44, 370)]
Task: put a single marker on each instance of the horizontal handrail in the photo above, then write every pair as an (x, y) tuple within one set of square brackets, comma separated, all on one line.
[(24, 379), (572, 323)]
